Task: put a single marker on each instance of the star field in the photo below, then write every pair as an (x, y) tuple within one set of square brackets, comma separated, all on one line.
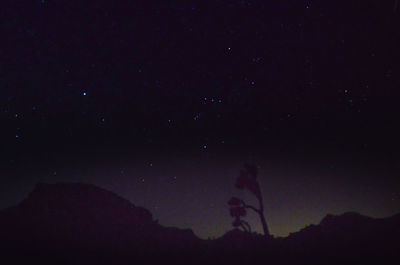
[(163, 103)]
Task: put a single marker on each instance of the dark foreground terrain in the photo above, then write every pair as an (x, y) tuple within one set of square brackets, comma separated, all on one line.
[(83, 224)]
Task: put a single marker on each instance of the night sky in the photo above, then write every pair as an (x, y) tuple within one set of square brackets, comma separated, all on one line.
[(164, 103)]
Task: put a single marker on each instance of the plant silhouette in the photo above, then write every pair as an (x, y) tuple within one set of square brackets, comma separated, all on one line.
[(247, 180), (238, 212)]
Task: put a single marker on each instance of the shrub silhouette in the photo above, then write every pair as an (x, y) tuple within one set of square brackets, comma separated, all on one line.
[(247, 180), (238, 212)]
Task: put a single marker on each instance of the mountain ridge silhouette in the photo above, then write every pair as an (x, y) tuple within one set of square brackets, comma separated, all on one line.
[(99, 226)]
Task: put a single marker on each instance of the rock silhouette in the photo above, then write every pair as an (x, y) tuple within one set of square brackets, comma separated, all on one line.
[(69, 223), (66, 218)]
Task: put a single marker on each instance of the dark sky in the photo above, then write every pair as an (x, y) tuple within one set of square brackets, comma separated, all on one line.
[(164, 103)]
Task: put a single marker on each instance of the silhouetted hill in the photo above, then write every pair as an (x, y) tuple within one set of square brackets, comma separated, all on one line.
[(66, 217), (361, 239), (69, 223), (350, 224)]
